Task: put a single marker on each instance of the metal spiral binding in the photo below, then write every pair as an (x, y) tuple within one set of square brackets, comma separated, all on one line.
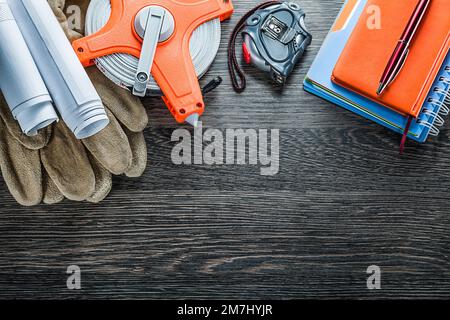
[(439, 106), (445, 80)]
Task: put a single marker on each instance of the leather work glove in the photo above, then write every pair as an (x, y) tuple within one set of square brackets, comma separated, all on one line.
[(20, 161), (55, 165)]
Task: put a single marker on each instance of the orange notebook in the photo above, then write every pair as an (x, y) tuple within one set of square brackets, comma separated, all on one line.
[(362, 63)]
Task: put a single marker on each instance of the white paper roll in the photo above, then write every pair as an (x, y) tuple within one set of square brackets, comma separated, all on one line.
[(20, 80), (70, 87)]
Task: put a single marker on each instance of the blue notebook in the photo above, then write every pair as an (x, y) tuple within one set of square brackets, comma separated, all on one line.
[(318, 82)]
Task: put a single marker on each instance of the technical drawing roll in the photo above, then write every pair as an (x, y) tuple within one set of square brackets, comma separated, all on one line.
[(72, 91), (20, 81)]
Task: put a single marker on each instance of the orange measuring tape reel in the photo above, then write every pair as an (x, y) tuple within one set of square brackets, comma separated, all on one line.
[(163, 28)]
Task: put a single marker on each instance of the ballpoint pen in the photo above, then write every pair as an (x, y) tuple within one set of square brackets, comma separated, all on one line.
[(401, 52)]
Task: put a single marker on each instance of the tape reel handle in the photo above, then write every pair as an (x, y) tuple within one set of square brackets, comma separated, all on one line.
[(153, 25)]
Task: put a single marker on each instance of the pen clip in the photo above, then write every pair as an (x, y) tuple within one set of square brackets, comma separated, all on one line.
[(399, 67)]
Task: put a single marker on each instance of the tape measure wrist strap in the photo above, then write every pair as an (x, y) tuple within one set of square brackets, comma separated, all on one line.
[(275, 37), (238, 79)]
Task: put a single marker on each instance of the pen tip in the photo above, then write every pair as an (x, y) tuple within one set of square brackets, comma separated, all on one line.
[(380, 89)]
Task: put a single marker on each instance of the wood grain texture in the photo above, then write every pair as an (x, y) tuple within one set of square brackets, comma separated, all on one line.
[(343, 200)]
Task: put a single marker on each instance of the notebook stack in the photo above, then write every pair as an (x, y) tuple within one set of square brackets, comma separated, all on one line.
[(354, 56)]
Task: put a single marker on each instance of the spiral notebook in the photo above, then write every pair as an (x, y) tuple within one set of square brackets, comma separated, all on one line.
[(362, 63), (435, 97)]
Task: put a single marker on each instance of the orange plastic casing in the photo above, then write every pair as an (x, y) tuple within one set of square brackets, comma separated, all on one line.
[(173, 68)]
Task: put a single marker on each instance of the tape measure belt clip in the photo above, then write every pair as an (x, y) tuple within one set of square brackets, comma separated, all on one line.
[(278, 30)]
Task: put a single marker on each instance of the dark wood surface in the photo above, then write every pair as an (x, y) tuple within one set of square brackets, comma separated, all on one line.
[(343, 200)]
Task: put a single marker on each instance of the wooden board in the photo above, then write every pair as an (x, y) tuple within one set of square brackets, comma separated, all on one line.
[(343, 200)]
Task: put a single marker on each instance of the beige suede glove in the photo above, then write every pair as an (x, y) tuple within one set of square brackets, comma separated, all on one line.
[(20, 161), (54, 165)]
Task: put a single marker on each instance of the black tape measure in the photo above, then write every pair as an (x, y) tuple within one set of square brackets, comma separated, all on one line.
[(275, 38)]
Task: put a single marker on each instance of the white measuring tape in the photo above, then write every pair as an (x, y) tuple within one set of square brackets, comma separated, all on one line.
[(121, 68)]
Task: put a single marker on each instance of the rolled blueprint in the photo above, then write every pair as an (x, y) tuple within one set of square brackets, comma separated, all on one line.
[(20, 81), (72, 91)]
